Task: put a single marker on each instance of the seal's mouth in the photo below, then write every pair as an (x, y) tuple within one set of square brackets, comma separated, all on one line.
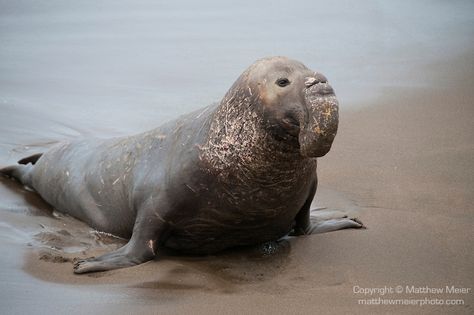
[(291, 126), (319, 128)]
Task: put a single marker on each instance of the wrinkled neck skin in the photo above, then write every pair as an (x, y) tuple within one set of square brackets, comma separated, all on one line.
[(241, 147)]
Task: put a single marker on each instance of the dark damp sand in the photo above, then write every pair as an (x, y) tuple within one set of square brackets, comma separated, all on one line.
[(406, 166)]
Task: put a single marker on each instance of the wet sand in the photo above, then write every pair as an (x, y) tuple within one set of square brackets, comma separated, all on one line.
[(403, 163)]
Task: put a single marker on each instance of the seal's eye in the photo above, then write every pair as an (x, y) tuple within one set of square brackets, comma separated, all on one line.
[(282, 82)]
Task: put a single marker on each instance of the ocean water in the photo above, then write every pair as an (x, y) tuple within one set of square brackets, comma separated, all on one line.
[(115, 67)]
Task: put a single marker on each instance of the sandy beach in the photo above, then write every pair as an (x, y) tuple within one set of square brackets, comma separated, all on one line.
[(404, 166)]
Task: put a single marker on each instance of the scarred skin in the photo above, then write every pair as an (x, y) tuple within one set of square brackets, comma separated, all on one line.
[(240, 172)]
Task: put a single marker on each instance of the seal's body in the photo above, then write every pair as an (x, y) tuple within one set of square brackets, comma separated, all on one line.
[(237, 173)]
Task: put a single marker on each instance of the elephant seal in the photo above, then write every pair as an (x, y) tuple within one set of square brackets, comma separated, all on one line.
[(240, 172)]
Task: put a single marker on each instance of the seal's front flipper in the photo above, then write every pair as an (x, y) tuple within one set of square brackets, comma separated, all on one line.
[(310, 222), (318, 226), (133, 253), (123, 257), (141, 248)]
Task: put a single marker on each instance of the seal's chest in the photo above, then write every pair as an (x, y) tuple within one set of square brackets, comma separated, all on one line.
[(237, 212), (265, 195)]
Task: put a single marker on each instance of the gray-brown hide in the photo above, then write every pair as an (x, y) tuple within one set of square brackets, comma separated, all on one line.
[(237, 173)]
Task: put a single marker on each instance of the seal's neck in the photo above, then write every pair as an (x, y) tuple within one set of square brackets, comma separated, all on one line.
[(238, 140)]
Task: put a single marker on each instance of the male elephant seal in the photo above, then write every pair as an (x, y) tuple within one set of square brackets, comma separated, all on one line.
[(237, 173)]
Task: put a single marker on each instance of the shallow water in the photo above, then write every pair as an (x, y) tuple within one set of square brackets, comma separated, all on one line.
[(69, 67)]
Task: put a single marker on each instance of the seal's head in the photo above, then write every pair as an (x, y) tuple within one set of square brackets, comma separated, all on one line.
[(297, 104)]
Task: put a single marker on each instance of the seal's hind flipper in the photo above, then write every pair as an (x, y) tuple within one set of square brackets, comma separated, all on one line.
[(30, 159), (19, 172), (8, 171)]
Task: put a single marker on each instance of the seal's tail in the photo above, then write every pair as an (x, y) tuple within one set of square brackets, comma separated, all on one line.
[(21, 171)]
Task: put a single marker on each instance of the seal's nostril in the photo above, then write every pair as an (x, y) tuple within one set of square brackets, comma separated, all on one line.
[(310, 81), (320, 78)]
